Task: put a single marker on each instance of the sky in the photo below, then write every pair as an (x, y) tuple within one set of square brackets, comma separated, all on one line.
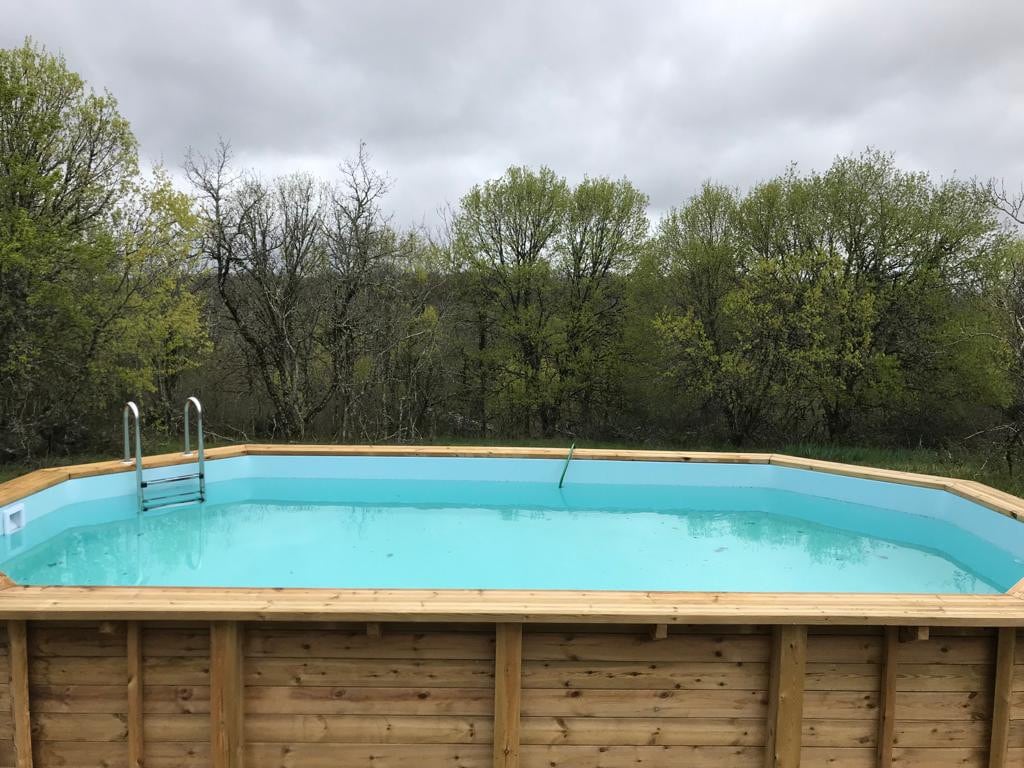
[(449, 94)]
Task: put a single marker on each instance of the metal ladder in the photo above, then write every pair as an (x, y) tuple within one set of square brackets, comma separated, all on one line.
[(131, 412)]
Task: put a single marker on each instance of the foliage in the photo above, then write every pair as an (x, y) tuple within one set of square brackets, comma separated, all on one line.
[(94, 301), (859, 304)]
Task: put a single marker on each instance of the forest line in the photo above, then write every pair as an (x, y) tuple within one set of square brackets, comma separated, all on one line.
[(860, 304)]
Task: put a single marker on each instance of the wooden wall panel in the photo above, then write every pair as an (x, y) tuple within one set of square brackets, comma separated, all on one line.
[(944, 696), (7, 757), (78, 677), (1015, 737), (620, 698), (841, 686), (176, 694), (424, 696), (411, 696)]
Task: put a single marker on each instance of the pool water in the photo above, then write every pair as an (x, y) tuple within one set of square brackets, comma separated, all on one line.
[(415, 533)]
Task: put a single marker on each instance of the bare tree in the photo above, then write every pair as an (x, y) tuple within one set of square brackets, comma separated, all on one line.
[(361, 249), (1007, 202), (265, 242)]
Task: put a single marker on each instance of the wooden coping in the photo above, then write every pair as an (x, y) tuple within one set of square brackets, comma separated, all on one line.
[(499, 606), (208, 603)]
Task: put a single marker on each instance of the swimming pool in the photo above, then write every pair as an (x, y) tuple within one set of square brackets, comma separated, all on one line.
[(403, 522), (440, 607)]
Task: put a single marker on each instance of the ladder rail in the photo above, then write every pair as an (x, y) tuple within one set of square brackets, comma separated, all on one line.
[(131, 413), (565, 467), (193, 402)]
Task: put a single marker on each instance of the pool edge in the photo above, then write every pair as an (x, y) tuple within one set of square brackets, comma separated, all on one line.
[(830, 608)]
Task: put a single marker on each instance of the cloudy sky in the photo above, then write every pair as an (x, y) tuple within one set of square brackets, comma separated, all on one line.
[(447, 94)]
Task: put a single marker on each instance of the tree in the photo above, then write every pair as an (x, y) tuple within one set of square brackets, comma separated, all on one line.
[(605, 231), (299, 265), (364, 257), (508, 231), (1002, 296), (91, 305), (911, 247)]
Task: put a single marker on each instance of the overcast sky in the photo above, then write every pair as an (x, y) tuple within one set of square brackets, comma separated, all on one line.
[(447, 94)]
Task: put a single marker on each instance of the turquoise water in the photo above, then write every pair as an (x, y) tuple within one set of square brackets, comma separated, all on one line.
[(278, 532)]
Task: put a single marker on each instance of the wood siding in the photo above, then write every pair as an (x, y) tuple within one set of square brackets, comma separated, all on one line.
[(590, 696)]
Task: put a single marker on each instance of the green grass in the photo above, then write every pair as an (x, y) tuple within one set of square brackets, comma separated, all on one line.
[(931, 461)]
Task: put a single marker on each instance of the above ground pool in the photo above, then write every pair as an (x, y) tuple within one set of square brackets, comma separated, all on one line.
[(393, 522)]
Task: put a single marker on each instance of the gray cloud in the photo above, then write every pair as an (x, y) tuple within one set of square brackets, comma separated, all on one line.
[(448, 94)]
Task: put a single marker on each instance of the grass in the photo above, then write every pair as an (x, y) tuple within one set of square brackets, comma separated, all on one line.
[(929, 461)]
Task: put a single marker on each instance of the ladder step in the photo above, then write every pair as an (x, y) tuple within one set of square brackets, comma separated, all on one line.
[(188, 494), (177, 479), (172, 498), (170, 502)]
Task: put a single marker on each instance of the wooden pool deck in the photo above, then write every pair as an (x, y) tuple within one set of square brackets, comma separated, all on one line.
[(411, 605)]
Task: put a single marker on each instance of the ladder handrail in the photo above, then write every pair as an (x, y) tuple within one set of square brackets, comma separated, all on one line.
[(200, 446), (194, 401), (131, 410)]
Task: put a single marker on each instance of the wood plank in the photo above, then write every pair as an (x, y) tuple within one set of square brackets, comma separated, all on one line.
[(887, 697), (17, 647), (325, 644), (177, 754), (639, 648), (1002, 698), (368, 729), (830, 757), (106, 726), (226, 694), (403, 673), (644, 703), (79, 699), (135, 724), (176, 641), (673, 608), (299, 755), (85, 699), (177, 670), (162, 728), (87, 670), (113, 726), (942, 734), (641, 731), (682, 675), (928, 706), (647, 756), (839, 734), (508, 675), (786, 698), (343, 700), (77, 640), (79, 754), (937, 758), (863, 472), (986, 496)]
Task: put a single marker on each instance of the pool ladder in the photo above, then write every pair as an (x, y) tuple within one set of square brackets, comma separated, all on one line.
[(186, 496)]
